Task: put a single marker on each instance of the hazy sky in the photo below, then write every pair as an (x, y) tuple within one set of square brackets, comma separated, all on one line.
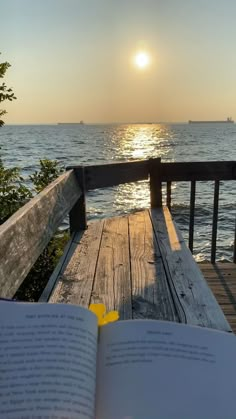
[(72, 60)]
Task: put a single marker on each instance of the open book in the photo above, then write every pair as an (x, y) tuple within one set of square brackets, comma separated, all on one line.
[(54, 365)]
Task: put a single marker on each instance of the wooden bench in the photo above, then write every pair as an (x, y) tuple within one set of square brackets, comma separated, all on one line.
[(138, 264)]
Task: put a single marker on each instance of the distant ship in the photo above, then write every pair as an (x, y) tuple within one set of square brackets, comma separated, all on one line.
[(71, 123), (229, 120)]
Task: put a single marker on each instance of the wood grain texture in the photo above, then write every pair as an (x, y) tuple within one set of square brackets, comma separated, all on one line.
[(112, 280), (75, 283), (24, 236), (221, 278), (151, 297), (106, 175), (194, 300), (61, 265)]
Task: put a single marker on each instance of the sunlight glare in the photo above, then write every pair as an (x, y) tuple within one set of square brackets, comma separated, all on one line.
[(142, 60)]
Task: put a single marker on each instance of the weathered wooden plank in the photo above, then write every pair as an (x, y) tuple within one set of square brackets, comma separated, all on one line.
[(106, 175), (112, 280), (208, 170), (151, 297), (194, 300), (75, 283), (24, 236), (68, 251), (221, 278)]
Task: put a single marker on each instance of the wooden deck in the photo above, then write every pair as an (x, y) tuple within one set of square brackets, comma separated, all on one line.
[(221, 277), (139, 265)]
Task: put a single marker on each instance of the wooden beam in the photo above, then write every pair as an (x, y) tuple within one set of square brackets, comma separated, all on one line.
[(75, 283), (194, 300), (168, 195), (151, 297), (191, 216), (112, 285), (208, 170), (234, 255), (77, 215), (107, 175), (215, 221), (155, 182), (24, 235)]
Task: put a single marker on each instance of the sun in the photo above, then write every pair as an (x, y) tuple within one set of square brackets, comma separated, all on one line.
[(142, 60)]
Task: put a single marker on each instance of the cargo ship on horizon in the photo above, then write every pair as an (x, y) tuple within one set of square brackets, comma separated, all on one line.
[(71, 123), (229, 120)]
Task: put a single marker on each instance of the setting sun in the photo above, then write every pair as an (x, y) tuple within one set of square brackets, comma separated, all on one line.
[(142, 60)]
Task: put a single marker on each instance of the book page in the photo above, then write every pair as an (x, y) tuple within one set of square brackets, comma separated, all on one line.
[(163, 370), (47, 361)]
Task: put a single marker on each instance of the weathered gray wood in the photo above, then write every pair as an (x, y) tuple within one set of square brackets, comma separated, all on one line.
[(65, 258), (24, 236), (191, 217), (208, 170), (221, 278), (215, 220), (150, 292), (77, 215), (112, 285), (195, 302), (106, 175), (75, 283), (155, 182)]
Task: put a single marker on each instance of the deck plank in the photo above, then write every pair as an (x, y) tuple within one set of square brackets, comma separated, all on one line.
[(76, 282), (112, 285), (194, 300), (221, 278), (151, 297)]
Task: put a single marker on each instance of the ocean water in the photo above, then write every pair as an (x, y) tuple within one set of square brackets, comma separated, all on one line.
[(23, 146)]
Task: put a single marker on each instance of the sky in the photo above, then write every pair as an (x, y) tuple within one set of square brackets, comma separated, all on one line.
[(73, 60)]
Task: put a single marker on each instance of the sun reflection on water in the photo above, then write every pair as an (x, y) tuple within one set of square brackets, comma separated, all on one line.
[(139, 142), (143, 141)]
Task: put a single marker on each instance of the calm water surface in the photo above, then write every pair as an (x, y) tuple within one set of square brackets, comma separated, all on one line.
[(23, 146)]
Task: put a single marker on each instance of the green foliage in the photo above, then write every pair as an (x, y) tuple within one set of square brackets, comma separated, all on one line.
[(13, 194), (6, 93), (49, 171), (37, 278)]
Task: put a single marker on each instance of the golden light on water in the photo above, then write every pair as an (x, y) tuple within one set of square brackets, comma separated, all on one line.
[(139, 142)]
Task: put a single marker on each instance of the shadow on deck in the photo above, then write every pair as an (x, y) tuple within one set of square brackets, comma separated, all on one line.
[(221, 278)]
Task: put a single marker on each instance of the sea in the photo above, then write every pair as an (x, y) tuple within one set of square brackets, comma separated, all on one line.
[(25, 145)]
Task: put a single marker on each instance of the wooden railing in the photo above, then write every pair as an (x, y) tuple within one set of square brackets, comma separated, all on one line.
[(24, 236), (102, 176)]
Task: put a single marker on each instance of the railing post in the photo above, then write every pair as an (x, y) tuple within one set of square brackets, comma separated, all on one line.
[(77, 215), (191, 216), (155, 182), (234, 256), (168, 195), (215, 219)]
